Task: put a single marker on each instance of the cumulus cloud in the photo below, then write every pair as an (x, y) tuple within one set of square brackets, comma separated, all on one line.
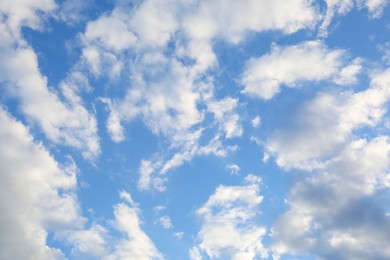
[(168, 89), (289, 66), (228, 226), (325, 123), (256, 121), (233, 168), (166, 222), (232, 20), (63, 119), (374, 7), (36, 195), (38, 198), (135, 244), (25, 13), (224, 112), (336, 221)]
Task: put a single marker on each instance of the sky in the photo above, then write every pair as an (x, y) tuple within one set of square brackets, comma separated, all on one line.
[(194, 129)]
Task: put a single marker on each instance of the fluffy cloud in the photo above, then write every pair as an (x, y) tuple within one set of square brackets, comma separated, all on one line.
[(37, 199), (36, 195), (63, 119), (233, 168), (337, 221), (25, 13), (135, 244), (225, 114), (228, 227), (375, 7), (122, 238), (166, 222), (289, 66), (324, 124), (167, 47), (232, 20)]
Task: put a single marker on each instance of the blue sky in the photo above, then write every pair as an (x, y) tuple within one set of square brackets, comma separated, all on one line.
[(191, 129)]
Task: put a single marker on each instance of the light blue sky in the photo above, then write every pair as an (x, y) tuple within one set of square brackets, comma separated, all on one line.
[(191, 129)]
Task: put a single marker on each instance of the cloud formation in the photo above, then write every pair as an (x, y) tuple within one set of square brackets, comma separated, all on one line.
[(337, 221), (327, 122), (61, 116), (228, 226), (289, 66)]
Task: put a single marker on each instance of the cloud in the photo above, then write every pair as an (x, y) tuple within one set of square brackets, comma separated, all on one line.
[(253, 179), (178, 235), (228, 227), (336, 221), (336, 8), (153, 172), (225, 114), (119, 238), (233, 168), (25, 13), (256, 121), (375, 7), (231, 20), (167, 48), (166, 222), (135, 244), (72, 12), (36, 195), (61, 116), (327, 122), (292, 65)]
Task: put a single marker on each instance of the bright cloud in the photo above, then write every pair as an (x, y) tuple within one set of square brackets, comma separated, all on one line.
[(339, 221), (289, 66), (228, 228), (327, 122), (30, 198)]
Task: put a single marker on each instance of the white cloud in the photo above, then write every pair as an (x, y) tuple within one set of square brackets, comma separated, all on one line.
[(153, 172), (100, 242), (72, 12), (135, 244), (232, 20), (339, 221), (324, 124), (25, 13), (37, 198), (61, 116), (233, 168), (178, 235), (166, 222), (110, 32), (36, 195), (225, 114), (289, 66), (336, 8), (228, 227), (167, 91), (89, 243), (253, 179), (375, 7), (256, 121)]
